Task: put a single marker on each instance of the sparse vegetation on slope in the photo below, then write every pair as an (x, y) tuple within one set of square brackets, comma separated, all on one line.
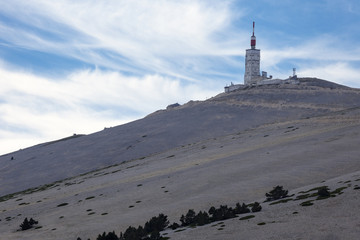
[(196, 175), (27, 224), (195, 120), (153, 227), (150, 231)]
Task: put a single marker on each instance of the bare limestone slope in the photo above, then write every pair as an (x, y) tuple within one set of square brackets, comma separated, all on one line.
[(166, 129), (238, 167), (295, 136), (332, 218)]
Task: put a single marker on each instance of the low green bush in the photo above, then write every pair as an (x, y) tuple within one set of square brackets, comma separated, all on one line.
[(247, 217)]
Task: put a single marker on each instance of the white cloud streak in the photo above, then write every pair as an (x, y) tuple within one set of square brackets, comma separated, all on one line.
[(145, 33), (38, 108), (324, 57), (340, 72), (158, 43), (326, 48)]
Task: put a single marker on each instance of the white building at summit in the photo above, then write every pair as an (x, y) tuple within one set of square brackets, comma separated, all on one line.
[(252, 63), (252, 76)]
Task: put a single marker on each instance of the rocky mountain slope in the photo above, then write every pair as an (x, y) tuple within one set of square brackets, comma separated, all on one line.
[(166, 129), (231, 148)]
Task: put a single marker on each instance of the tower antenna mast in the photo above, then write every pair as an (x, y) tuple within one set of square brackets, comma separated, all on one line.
[(253, 28), (253, 38)]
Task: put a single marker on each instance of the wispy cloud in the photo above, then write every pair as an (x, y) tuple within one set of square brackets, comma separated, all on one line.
[(85, 101), (147, 48), (130, 58), (145, 34), (343, 72), (317, 57), (324, 47)]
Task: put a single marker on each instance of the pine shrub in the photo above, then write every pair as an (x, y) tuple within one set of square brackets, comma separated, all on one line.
[(241, 209), (188, 219), (324, 192), (277, 193), (256, 207), (27, 224)]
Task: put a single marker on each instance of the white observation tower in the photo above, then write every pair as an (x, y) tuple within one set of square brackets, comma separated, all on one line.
[(252, 75), (252, 62)]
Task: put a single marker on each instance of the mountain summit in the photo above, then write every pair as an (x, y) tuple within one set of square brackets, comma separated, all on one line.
[(224, 114), (232, 148)]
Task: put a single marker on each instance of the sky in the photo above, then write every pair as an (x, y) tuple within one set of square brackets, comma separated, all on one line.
[(75, 67)]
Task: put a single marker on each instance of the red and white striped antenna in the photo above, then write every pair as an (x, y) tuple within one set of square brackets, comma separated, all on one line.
[(253, 38)]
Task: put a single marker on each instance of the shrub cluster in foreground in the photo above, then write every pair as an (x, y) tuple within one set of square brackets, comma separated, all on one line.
[(215, 214), (153, 227), (150, 231)]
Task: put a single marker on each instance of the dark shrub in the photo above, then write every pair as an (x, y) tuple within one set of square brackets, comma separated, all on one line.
[(33, 222), (156, 224), (27, 224), (221, 213), (109, 236), (241, 209), (256, 207), (132, 233), (151, 231), (141, 231), (277, 193), (324, 192), (212, 210), (174, 226), (188, 219), (155, 236), (202, 218)]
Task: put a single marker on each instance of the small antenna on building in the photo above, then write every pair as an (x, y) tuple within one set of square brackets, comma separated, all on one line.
[(253, 28), (294, 72)]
